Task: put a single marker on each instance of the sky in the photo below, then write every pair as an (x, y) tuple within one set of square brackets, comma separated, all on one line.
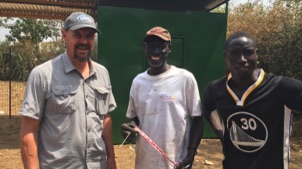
[(4, 32)]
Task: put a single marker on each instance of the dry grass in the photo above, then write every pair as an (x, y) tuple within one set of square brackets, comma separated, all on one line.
[(209, 151)]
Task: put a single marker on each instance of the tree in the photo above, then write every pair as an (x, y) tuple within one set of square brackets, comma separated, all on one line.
[(33, 30), (27, 37), (278, 31)]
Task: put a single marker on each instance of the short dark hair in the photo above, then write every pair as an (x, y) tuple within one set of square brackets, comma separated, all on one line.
[(238, 35)]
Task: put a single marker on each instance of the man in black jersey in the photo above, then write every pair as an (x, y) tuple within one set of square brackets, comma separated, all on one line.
[(251, 110)]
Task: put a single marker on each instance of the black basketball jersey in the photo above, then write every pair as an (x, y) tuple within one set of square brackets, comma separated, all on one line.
[(258, 125)]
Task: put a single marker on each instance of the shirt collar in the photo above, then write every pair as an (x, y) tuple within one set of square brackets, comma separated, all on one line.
[(68, 66), (240, 101)]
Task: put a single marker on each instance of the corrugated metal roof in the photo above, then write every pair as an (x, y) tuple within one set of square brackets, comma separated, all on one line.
[(46, 9), (61, 9)]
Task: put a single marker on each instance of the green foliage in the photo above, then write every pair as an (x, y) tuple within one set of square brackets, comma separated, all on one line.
[(25, 46), (33, 30), (287, 52), (220, 9), (4, 60), (18, 60), (278, 31)]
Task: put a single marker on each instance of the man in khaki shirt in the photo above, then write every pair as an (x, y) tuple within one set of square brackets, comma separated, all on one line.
[(66, 108)]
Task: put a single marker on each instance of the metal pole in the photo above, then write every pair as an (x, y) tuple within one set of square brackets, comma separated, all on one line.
[(10, 82)]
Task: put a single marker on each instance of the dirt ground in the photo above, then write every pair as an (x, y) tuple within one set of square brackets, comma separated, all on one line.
[(209, 154)]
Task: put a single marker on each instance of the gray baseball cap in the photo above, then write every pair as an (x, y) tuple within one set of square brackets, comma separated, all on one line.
[(77, 20)]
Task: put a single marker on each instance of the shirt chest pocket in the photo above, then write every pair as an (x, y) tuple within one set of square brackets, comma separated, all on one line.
[(64, 99), (101, 100)]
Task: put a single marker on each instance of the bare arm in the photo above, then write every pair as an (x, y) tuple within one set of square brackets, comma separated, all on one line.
[(196, 133), (107, 137), (29, 142), (214, 120)]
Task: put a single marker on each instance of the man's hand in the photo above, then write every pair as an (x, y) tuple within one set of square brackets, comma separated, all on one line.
[(187, 162), (127, 129), (111, 164)]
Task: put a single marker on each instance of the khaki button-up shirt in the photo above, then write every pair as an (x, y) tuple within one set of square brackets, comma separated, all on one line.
[(71, 110)]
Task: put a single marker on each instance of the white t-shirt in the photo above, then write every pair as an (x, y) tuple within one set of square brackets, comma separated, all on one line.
[(163, 105)]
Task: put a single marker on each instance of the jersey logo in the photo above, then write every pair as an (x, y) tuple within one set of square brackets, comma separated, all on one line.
[(167, 97), (248, 133)]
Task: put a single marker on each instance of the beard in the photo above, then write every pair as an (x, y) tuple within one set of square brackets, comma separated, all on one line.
[(82, 57)]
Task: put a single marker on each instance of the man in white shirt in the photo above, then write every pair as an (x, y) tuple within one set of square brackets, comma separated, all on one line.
[(162, 102)]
